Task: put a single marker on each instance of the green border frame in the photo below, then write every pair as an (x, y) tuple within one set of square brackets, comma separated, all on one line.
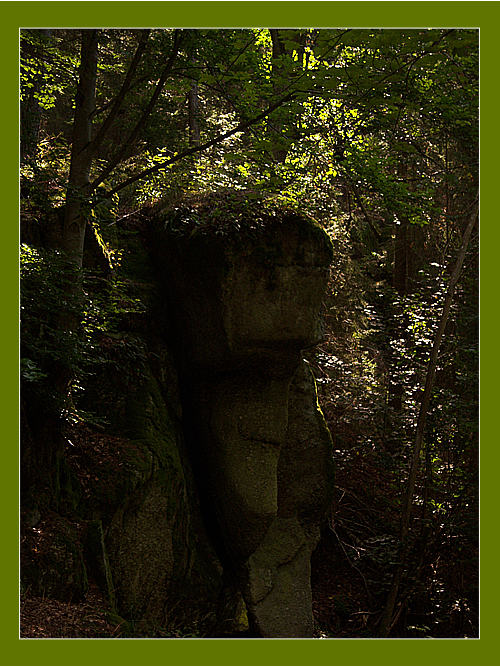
[(194, 14)]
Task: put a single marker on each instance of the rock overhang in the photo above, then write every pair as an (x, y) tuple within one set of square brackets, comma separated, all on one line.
[(242, 282)]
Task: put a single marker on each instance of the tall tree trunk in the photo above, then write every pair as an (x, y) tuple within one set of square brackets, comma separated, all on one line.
[(401, 246), (77, 206), (43, 460), (408, 245), (279, 52), (76, 212), (281, 124), (401, 252)]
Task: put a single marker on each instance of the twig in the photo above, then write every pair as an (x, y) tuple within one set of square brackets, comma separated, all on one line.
[(331, 524)]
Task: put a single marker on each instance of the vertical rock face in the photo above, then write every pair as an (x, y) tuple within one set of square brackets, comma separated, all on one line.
[(162, 568), (242, 307), (213, 475), (279, 594)]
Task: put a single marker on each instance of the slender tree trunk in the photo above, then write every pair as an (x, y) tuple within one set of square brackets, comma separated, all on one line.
[(400, 273), (43, 449), (279, 52), (77, 208), (81, 151), (386, 622), (30, 109), (193, 107), (401, 246), (282, 122)]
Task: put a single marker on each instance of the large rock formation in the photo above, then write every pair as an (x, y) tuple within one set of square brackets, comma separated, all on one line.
[(209, 476), (242, 310)]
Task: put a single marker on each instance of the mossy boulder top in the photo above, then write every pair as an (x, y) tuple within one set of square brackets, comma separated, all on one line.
[(245, 278)]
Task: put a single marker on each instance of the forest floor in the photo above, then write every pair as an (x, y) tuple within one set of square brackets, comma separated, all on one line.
[(350, 575), (351, 566), (45, 617)]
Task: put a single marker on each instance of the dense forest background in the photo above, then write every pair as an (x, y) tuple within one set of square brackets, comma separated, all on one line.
[(374, 133)]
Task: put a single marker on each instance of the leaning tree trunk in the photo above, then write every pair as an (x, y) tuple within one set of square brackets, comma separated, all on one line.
[(388, 619)]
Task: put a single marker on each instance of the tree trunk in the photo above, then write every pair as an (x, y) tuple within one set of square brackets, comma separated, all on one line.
[(401, 246), (81, 151), (30, 109), (77, 206), (194, 128), (281, 126), (387, 617), (401, 251)]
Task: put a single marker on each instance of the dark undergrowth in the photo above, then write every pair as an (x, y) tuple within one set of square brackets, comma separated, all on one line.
[(369, 392), (352, 565)]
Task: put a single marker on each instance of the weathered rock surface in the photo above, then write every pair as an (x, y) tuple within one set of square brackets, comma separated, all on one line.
[(241, 314), (162, 567), (278, 590), (212, 475)]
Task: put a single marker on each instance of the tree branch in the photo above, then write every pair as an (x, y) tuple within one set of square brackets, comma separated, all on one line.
[(123, 92), (114, 162), (197, 149), (221, 137)]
